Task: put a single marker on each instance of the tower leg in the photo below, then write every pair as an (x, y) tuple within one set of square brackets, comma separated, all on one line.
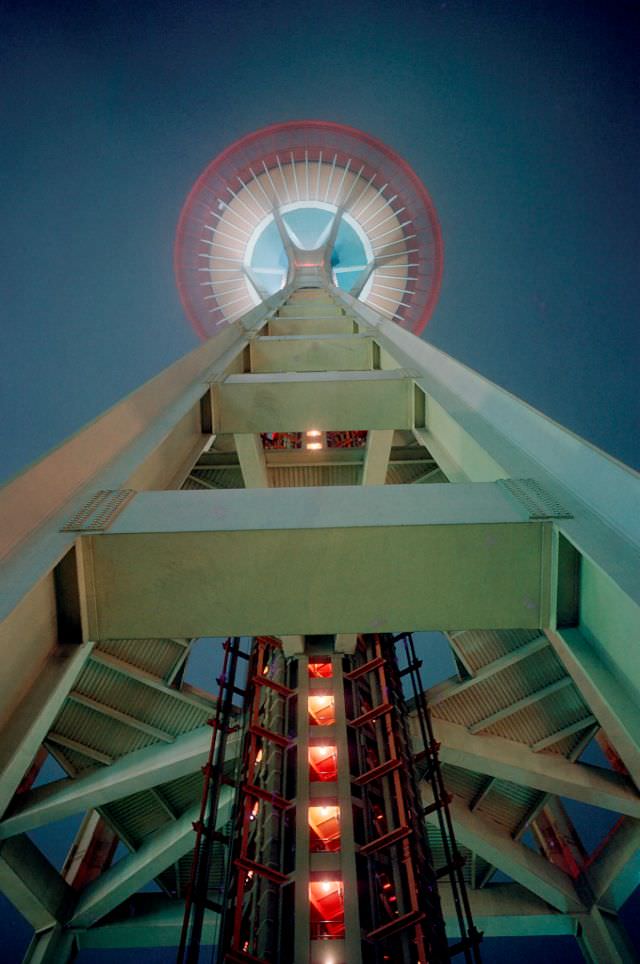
[(602, 938), (56, 945)]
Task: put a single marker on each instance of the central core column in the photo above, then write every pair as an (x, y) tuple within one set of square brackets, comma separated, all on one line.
[(327, 926)]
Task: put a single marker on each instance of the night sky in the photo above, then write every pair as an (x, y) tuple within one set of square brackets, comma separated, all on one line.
[(520, 117)]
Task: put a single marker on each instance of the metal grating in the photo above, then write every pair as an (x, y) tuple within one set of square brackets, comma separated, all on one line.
[(535, 499), (100, 511)]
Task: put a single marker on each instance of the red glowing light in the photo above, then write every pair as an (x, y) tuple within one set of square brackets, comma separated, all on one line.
[(323, 763), (322, 709), (320, 668)]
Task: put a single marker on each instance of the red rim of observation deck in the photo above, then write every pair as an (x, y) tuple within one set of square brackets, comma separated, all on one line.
[(295, 138)]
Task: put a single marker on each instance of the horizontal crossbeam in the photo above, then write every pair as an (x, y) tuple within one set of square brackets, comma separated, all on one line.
[(451, 555)]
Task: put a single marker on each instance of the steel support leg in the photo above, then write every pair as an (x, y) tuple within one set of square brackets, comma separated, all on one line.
[(56, 945), (602, 938)]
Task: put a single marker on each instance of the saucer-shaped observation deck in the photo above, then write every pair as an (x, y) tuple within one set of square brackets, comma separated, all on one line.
[(229, 252)]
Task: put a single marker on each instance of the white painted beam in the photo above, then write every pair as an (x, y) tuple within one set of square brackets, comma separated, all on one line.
[(507, 910), (306, 353), (130, 774), (550, 773), (334, 324), (421, 554), (32, 885), (615, 873), (55, 945), (130, 873), (376, 457), (523, 865), (252, 461), (295, 401), (603, 694), (602, 938), (125, 877), (30, 723), (156, 921)]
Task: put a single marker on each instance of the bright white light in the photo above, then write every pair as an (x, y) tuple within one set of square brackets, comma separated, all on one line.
[(314, 445), (326, 886), (313, 433), (324, 811)]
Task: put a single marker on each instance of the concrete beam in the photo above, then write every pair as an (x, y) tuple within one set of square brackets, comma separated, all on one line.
[(137, 771), (252, 461), (295, 401), (30, 723), (496, 846), (200, 563), (507, 760), (32, 884), (306, 353), (507, 910), (376, 457), (604, 695)]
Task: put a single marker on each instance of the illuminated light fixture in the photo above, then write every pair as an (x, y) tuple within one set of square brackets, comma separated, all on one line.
[(313, 433), (322, 709), (314, 445), (324, 811), (259, 756), (326, 886)]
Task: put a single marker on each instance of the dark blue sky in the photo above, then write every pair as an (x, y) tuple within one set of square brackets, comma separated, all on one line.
[(521, 118)]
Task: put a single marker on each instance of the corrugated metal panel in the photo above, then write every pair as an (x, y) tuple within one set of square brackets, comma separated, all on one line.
[(93, 730), (180, 794), (166, 711), (461, 782), (156, 656), (542, 718), (568, 745), (136, 816), (438, 856), (291, 476), (479, 647), (501, 690), (508, 805), (71, 761)]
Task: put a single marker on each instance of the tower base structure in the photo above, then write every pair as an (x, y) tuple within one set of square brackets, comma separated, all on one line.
[(318, 479)]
